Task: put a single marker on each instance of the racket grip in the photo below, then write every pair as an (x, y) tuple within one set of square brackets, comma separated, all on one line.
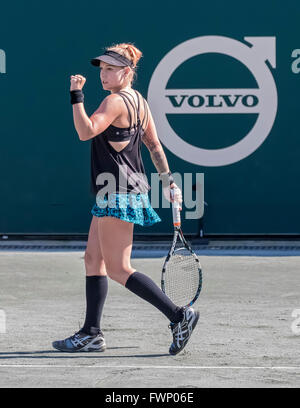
[(175, 211)]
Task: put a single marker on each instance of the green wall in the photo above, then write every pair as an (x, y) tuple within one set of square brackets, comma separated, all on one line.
[(44, 182)]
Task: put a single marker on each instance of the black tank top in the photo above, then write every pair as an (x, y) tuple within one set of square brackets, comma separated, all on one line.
[(124, 169)]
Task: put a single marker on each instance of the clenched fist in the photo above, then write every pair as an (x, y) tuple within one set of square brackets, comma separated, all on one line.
[(77, 82)]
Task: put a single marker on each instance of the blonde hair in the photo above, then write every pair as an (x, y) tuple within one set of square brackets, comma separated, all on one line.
[(129, 51)]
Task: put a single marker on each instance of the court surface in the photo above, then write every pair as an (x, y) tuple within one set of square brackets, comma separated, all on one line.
[(244, 337)]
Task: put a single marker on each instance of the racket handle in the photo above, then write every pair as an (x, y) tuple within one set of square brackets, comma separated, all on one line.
[(175, 211)]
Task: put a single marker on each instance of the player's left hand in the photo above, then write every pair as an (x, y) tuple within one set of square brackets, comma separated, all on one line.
[(77, 82)]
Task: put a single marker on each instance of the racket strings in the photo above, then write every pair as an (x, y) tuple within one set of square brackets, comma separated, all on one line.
[(182, 277)]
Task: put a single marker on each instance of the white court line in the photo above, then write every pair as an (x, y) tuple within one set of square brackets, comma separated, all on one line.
[(153, 366)]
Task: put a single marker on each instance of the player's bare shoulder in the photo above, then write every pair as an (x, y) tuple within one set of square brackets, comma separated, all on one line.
[(111, 103), (113, 99)]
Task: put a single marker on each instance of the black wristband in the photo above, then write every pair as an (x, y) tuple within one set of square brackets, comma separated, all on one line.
[(77, 96), (166, 176)]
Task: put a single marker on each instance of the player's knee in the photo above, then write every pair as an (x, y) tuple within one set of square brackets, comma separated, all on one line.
[(91, 259), (119, 275), (114, 274), (87, 257), (96, 270)]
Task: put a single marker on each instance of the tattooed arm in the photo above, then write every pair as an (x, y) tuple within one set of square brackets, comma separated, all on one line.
[(150, 139), (158, 156)]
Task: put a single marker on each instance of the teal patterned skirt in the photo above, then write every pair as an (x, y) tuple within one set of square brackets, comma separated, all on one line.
[(129, 207)]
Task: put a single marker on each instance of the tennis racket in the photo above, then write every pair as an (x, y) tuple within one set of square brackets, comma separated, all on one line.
[(181, 278)]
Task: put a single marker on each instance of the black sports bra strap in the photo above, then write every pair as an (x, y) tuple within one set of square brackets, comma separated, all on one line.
[(127, 106), (138, 107), (145, 118), (146, 113), (133, 104)]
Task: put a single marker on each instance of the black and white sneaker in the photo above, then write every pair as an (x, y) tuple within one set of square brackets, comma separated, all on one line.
[(182, 331), (82, 342)]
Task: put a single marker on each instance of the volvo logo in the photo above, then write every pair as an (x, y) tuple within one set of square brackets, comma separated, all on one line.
[(261, 101)]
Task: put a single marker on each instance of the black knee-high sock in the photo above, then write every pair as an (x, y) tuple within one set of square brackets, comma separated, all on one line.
[(96, 291), (145, 288)]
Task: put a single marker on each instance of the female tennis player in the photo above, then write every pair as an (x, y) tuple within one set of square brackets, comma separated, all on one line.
[(116, 130)]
